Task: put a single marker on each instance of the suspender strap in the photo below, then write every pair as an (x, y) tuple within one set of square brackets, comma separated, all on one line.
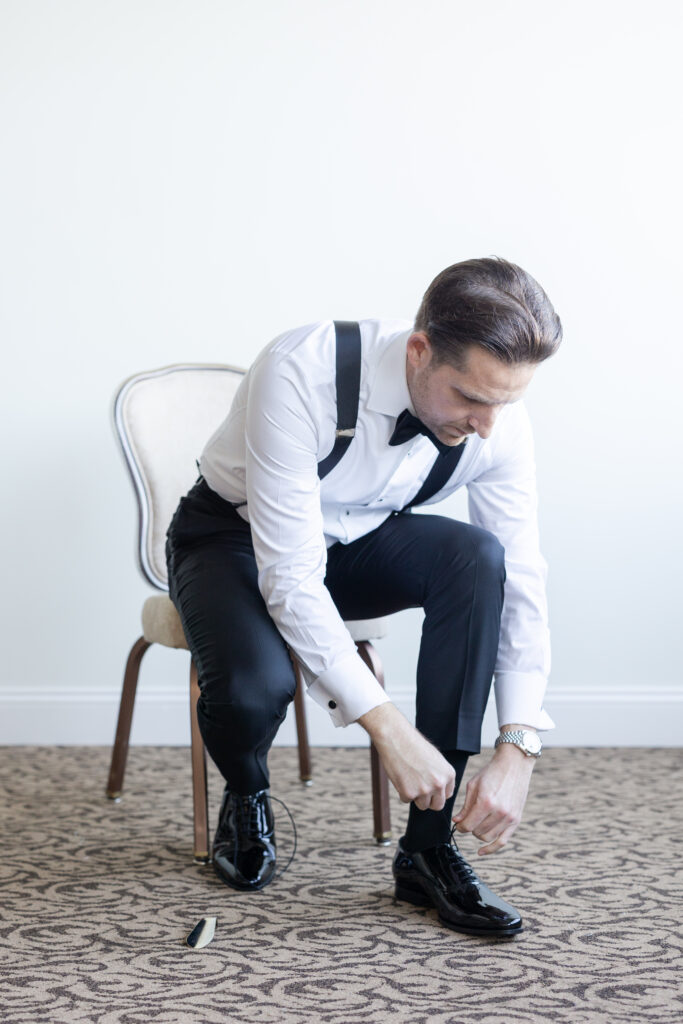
[(348, 390), (439, 475), (348, 364)]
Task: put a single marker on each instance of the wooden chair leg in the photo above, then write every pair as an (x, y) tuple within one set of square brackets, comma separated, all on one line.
[(305, 766), (380, 783), (200, 800), (119, 754)]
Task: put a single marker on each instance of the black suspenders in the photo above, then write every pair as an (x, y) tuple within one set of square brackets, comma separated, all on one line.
[(438, 476), (348, 390), (348, 360)]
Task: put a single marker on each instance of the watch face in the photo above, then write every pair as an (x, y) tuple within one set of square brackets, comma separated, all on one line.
[(532, 742)]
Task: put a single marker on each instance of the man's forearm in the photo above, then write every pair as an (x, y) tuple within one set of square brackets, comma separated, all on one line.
[(415, 767)]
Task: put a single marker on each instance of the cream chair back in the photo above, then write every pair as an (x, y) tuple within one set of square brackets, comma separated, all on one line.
[(163, 418)]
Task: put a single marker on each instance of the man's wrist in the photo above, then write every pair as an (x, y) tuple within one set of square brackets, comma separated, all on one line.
[(524, 738), (513, 753), (377, 722)]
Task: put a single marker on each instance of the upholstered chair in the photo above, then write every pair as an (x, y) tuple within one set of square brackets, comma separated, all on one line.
[(162, 419)]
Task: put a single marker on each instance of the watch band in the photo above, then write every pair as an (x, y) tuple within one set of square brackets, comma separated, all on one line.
[(519, 738)]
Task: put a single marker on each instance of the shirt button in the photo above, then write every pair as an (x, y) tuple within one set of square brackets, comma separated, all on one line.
[(332, 704)]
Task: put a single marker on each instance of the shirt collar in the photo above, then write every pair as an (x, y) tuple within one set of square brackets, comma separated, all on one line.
[(389, 390)]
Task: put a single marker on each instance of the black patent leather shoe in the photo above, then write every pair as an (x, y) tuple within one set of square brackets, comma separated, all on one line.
[(441, 877), (244, 846)]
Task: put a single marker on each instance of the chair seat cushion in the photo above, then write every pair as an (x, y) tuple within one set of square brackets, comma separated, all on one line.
[(161, 624), (367, 629)]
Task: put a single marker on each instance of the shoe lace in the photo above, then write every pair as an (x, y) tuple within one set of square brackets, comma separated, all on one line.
[(464, 871), (249, 812), (280, 872)]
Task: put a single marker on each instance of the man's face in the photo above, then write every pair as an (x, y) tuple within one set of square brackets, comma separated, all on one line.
[(454, 403)]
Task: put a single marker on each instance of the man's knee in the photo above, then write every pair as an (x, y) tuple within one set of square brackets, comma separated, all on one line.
[(463, 544), (247, 703), (490, 553)]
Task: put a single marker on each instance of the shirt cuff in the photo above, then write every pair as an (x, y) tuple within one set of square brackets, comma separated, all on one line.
[(519, 696), (347, 690)]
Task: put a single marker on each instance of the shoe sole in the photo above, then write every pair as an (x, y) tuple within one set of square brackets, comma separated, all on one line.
[(419, 898)]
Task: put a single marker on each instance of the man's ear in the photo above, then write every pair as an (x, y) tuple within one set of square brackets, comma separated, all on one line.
[(419, 350)]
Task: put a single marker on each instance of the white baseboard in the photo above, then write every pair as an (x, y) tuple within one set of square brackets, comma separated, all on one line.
[(606, 718)]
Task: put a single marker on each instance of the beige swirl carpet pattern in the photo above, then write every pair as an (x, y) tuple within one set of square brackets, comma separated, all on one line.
[(98, 897)]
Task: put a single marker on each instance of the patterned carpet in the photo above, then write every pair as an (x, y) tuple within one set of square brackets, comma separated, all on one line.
[(98, 897)]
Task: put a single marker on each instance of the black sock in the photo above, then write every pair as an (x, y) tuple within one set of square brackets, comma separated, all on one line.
[(429, 828)]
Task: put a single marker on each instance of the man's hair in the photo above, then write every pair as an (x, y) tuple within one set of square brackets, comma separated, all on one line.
[(493, 304)]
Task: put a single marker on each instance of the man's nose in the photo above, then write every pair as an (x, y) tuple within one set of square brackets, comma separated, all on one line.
[(483, 420)]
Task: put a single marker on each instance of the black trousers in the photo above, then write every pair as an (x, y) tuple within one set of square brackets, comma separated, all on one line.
[(451, 569)]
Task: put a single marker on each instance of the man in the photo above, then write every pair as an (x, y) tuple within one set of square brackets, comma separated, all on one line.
[(297, 524)]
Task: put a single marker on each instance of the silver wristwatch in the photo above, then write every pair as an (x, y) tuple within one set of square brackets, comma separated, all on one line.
[(527, 741)]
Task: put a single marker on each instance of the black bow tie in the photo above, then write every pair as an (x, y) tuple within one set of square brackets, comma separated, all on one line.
[(408, 426)]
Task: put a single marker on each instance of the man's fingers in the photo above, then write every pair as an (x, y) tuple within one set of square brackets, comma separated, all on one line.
[(460, 816), (460, 820), (484, 823), (498, 843), (490, 827), (479, 820), (431, 801)]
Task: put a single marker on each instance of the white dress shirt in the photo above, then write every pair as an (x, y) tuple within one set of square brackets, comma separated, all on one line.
[(266, 452)]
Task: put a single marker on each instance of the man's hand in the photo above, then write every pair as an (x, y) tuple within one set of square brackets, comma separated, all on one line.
[(495, 797), (416, 768)]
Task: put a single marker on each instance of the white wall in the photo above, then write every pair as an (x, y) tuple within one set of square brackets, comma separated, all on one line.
[(183, 180)]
